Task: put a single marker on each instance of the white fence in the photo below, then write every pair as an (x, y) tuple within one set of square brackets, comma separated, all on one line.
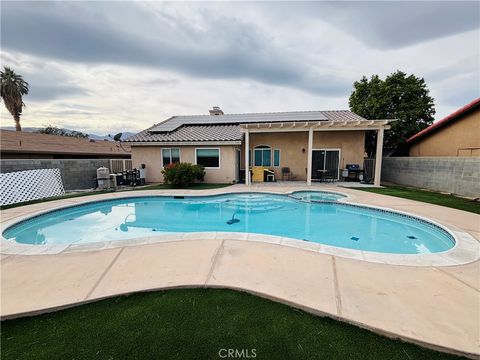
[(120, 165), (30, 185)]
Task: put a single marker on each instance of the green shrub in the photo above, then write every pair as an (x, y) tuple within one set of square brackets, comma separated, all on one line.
[(183, 174)]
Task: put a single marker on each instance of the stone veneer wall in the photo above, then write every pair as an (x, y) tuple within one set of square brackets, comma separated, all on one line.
[(77, 174), (456, 175)]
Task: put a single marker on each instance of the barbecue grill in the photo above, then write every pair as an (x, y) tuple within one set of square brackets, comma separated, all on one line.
[(352, 172)]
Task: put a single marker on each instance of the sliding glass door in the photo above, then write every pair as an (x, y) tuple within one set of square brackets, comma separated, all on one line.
[(325, 164)]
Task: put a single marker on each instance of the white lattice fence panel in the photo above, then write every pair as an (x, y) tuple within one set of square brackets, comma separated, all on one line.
[(29, 185), (120, 165), (116, 165)]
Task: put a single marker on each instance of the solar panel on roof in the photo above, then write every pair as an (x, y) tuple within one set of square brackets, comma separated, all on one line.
[(177, 121)]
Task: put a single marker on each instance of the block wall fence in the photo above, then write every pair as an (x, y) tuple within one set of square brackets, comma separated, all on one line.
[(77, 174), (456, 175)]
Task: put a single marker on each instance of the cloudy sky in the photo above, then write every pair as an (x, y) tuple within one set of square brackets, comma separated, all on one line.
[(104, 67)]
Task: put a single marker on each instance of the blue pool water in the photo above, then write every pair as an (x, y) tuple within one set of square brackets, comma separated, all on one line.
[(309, 216)]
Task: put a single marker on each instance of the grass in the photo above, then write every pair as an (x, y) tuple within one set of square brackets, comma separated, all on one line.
[(201, 186), (430, 197), (194, 324)]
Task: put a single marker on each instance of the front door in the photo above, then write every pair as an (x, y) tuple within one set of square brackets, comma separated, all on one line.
[(325, 164)]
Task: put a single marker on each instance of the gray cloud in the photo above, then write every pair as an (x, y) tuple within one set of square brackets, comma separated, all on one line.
[(46, 82), (39, 92), (138, 63), (237, 51), (391, 24), (467, 66)]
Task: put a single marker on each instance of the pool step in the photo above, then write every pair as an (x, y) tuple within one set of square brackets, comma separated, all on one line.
[(251, 207)]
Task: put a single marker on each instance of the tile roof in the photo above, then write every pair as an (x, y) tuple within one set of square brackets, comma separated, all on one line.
[(190, 133), (191, 128)]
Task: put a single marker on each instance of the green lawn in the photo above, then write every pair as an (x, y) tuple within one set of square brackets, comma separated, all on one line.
[(194, 324), (428, 197), (201, 186)]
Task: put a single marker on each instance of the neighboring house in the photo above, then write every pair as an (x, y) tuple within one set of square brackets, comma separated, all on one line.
[(458, 134), (28, 145), (307, 142)]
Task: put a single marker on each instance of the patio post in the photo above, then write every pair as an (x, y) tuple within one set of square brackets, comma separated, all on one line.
[(378, 157), (309, 158), (247, 155)]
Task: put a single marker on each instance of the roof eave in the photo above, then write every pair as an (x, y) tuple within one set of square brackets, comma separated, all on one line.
[(186, 143), (320, 125)]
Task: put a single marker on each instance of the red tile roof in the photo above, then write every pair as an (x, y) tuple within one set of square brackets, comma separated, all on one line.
[(448, 119)]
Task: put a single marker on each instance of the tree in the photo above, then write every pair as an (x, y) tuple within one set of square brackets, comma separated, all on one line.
[(401, 97), (52, 130), (12, 88)]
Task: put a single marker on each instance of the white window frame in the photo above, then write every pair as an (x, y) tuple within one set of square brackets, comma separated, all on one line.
[(170, 148), (279, 158), (210, 148), (271, 154)]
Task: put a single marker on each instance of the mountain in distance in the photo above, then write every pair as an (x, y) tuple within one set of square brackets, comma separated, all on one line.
[(90, 136)]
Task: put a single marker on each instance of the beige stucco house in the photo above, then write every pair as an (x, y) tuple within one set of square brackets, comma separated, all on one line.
[(309, 144), (458, 134)]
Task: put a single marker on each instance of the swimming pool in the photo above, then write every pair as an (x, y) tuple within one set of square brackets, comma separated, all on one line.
[(309, 216)]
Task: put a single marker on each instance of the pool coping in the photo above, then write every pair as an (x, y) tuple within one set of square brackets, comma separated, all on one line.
[(465, 250)]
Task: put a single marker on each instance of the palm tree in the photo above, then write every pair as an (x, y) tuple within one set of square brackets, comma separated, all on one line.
[(13, 87)]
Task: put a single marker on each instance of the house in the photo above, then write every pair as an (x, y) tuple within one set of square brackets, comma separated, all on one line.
[(29, 145), (458, 134), (308, 143)]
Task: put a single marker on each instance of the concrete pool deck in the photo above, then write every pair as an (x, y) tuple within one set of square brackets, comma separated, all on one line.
[(435, 306)]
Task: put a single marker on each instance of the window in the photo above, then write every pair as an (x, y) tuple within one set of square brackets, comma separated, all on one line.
[(262, 155), (209, 158), (276, 157), (170, 156)]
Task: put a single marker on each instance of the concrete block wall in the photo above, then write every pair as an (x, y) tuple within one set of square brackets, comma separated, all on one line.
[(456, 175), (77, 174)]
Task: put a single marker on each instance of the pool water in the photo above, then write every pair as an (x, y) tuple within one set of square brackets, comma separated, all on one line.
[(313, 196), (308, 216)]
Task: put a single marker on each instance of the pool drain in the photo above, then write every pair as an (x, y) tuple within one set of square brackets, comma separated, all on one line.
[(411, 237), (354, 238)]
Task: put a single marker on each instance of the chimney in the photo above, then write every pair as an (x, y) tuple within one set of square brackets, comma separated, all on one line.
[(216, 111)]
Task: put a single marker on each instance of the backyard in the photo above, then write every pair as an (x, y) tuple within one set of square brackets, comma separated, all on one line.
[(158, 324), (242, 180)]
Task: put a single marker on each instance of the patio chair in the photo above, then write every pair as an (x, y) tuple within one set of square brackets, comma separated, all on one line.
[(268, 175), (286, 173)]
